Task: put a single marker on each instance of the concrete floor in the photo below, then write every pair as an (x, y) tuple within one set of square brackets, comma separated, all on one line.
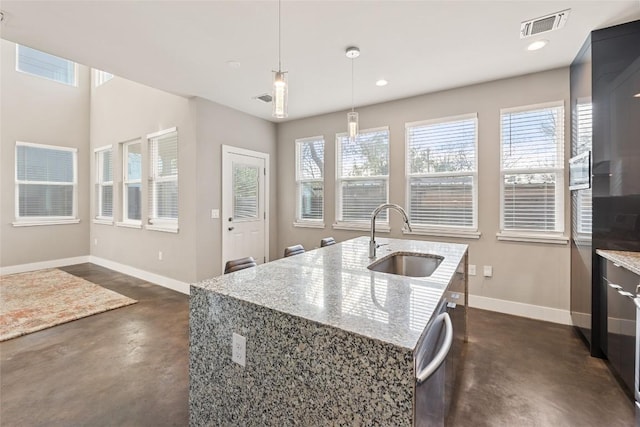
[(129, 367)]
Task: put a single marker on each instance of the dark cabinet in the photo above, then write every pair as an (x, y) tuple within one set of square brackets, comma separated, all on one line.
[(605, 115), (619, 285)]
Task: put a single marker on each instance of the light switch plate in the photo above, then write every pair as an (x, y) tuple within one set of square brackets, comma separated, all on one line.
[(239, 349), (472, 269), (215, 213)]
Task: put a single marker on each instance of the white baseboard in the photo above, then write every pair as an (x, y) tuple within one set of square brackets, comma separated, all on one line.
[(41, 265), (157, 279), (531, 311)]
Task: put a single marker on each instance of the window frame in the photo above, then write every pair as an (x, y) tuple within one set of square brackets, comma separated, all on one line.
[(362, 225), (153, 222), (75, 82), (126, 221), (21, 221), (101, 77), (299, 221), (556, 236), (99, 184), (442, 229)]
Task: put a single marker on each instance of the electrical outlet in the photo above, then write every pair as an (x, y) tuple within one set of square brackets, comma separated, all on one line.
[(488, 271), (215, 213), (159, 255), (239, 349), (95, 242), (472, 269)]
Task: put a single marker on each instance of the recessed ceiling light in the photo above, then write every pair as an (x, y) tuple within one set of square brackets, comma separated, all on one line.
[(637, 95), (382, 82), (537, 45), (233, 64)]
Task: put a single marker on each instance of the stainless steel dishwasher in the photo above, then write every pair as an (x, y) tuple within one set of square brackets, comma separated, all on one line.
[(432, 399)]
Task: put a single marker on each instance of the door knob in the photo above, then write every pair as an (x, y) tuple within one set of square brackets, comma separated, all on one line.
[(231, 228)]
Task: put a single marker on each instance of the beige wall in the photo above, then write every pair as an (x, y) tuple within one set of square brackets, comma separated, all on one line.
[(218, 125), (122, 110), (529, 273), (45, 112)]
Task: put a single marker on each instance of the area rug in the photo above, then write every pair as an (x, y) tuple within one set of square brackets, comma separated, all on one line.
[(37, 300)]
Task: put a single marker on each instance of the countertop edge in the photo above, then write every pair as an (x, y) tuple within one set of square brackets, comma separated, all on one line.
[(627, 259)]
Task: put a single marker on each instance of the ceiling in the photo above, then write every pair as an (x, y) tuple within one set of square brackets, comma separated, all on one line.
[(184, 47)]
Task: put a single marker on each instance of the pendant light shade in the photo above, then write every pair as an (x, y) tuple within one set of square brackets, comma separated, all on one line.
[(352, 123), (280, 94), (352, 117), (280, 91)]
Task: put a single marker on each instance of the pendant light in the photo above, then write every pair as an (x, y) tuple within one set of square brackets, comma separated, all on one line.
[(352, 117), (280, 91)]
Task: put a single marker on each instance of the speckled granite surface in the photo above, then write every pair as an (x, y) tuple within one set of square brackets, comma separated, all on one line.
[(628, 260), (329, 342)]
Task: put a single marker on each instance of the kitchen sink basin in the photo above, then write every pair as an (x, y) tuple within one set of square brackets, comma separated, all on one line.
[(407, 264)]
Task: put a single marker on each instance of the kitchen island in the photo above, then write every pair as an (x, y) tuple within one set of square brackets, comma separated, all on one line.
[(328, 341)]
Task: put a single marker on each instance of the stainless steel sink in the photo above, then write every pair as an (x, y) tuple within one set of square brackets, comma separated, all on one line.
[(407, 264)]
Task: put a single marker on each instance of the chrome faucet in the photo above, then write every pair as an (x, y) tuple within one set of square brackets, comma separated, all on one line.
[(372, 243)]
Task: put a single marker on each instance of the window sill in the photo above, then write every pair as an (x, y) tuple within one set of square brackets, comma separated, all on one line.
[(461, 234), (308, 224), (354, 226), (103, 221), (162, 228), (137, 225), (26, 223), (533, 238)]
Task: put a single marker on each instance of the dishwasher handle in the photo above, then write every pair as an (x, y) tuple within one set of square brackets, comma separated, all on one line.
[(433, 366)]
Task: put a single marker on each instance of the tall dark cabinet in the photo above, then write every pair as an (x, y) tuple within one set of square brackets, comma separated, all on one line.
[(605, 116)]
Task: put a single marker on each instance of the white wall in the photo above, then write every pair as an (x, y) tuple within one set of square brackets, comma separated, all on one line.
[(122, 110), (41, 111), (536, 274), (218, 125)]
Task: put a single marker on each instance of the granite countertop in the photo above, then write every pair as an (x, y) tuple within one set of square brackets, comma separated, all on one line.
[(333, 286), (628, 260)]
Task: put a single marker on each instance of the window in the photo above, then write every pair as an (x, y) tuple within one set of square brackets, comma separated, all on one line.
[(583, 198), (532, 169), (46, 184), (42, 64), (310, 181), (163, 181), (101, 77), (362, 177), (442, 173), (132, 182), (104, 184)]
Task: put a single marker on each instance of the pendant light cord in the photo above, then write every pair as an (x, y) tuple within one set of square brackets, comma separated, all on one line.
[(279, 38)]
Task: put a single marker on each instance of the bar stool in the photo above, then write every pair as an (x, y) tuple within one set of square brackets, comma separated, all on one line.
[(327, 241), (239, 264), (293, 250)]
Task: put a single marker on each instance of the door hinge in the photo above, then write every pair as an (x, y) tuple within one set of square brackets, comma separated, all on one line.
[(265, 215), (265, 171), (265, 259)]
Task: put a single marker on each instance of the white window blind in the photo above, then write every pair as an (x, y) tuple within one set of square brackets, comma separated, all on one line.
[(362, 175), (46, 182), (101, 77), (42, 64), (583, 205), (132, 182), (310, 179), (246, 187), (442, 172), (163, 181), (532, 168), (104, 184)]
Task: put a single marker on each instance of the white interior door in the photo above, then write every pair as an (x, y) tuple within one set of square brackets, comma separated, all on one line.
[(244, 214)]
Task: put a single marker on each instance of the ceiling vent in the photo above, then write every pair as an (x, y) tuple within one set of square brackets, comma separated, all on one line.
[(264, 98), (544, 24)]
